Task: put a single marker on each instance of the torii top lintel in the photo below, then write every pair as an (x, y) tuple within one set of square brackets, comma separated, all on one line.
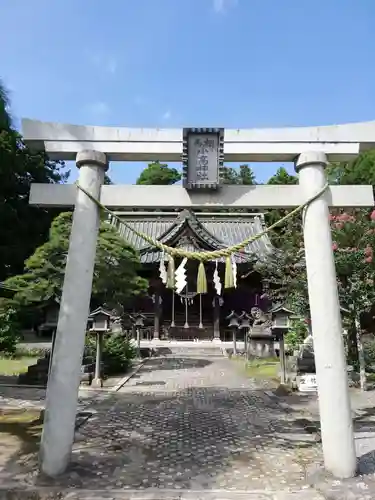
[(64, 141)]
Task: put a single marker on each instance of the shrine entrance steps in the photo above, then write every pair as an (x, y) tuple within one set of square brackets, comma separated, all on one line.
[(199, 351), (186, 349)]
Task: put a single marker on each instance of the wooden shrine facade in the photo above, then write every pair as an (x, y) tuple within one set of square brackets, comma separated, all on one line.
[(188, 316)]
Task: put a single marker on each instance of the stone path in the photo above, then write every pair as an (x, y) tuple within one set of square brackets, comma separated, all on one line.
[(188, 428)]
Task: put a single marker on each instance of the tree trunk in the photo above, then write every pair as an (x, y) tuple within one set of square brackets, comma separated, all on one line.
[(361, 356), (352, 346)]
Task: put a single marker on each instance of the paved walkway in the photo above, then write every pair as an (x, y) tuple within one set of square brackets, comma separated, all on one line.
[(189, 428)]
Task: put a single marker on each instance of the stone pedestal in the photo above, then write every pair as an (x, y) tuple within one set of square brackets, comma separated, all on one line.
[(98, 380)]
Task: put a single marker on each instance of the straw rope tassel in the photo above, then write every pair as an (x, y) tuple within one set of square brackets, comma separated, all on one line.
[(170, 272), (229, 279), (201, 279)]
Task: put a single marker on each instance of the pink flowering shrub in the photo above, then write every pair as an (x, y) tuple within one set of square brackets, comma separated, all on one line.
[(353, 236)]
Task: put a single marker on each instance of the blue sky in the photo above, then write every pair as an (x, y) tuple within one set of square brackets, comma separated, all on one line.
[(174, 63)]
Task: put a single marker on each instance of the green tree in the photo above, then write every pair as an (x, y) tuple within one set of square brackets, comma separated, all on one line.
[(284, 277), (282, 176), (359, 171), (353, 235), (229, 175), (118, 352), (159, 174), (289, 234), (5, 118), (22, 227), (115, 275), (10, 331), (244, 175)]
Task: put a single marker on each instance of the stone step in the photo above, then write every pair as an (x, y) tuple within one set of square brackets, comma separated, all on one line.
[(190, 351), (157, 494)]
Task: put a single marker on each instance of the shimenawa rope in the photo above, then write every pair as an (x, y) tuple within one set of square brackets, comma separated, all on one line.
[(204, 256)]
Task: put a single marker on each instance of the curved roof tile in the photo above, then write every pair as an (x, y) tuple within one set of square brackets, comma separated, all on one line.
[(204, 231)]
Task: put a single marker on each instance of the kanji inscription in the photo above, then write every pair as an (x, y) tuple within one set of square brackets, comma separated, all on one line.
[(203, 155)]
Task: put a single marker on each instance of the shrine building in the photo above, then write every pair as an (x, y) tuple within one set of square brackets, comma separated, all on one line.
[(188, 315)]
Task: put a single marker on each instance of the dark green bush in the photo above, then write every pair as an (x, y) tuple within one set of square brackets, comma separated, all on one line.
[(296, 334), (9, 330), (118, 353)]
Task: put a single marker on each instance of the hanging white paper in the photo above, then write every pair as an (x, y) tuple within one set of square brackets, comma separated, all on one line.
[(180, 276), (234, 269), (217, 281)]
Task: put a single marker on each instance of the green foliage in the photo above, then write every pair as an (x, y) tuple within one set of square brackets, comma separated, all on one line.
[(282, 177), (359, 171), (118, 353), (23, 227), (244, 175), (284, 278), (289, 235), (296, 334), (9, 329), (354, 240), (115, 274), (229, 175), (369, 353), (353, 234), (5, 118), (159, 174)]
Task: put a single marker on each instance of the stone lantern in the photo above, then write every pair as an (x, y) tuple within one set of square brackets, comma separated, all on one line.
[(280, 326), (245, 320), (99, 322), (233, 324), (138, 320)]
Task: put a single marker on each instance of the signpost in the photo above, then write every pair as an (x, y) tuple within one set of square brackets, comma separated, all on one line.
[(202, 157)]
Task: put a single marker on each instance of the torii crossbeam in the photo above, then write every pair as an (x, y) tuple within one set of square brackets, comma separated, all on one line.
[(203, 152)]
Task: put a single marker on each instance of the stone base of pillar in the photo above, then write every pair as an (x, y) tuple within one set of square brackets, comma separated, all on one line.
[(216, 340), (97, 382), (156, 339)]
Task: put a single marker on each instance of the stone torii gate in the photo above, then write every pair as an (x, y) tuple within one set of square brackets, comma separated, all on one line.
[(310, 148)]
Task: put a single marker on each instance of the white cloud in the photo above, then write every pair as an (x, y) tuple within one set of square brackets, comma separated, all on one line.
[(222, 6), (103, 61), (98, 108), (167, 115)]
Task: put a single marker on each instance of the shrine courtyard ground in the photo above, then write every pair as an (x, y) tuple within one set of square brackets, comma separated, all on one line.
[(193, 427)]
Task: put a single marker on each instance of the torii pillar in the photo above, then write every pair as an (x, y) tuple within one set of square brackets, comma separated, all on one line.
[(330, 361), (311, 148), (65, 375)]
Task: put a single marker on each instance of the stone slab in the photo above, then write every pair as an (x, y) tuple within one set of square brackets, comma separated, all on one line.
[(146, 197), (63, 141), (156, 494)]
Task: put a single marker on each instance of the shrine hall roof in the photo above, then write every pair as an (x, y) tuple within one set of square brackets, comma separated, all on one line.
[(196, 232)]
